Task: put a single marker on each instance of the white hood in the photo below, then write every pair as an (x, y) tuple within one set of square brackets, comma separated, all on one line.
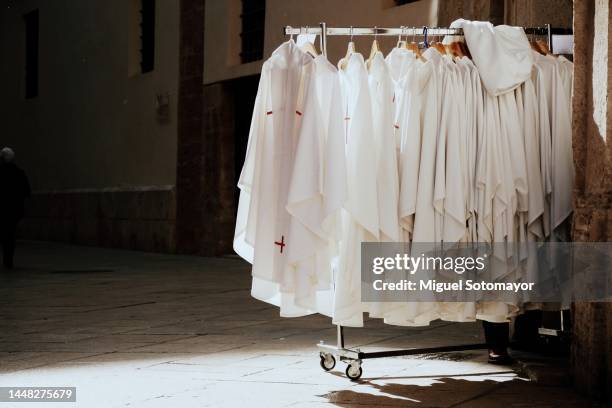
[(502, 54)]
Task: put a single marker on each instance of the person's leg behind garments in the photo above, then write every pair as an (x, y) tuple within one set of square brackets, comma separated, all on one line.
[(497, 338), (8, 235)]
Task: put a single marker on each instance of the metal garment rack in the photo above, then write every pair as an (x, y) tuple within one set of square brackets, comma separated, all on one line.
[(354, 357), (323, 31)]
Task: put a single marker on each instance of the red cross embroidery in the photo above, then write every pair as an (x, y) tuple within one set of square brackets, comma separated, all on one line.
[(346, 119), (268, 112), (281, 244), (346, 129)]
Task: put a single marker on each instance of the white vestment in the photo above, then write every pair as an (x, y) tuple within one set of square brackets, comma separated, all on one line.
[(562, 162), (317, 190), (501, 53), (262, 223), (383, 115), (427, 228), (360, 218)]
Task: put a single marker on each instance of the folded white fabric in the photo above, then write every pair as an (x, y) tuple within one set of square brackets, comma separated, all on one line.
[(502, 54)]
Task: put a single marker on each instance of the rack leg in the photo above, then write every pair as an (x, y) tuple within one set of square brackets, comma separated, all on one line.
[(340, 340)]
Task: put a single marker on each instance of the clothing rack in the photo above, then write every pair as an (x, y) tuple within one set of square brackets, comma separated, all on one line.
[(354, 357), (323, 31)]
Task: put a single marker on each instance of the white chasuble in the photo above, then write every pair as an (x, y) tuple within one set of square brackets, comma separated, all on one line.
[(514, 150), (262, 224), (562, 163), (545, 145), (381, 94), (317, 190), (450, 199), (410, 126), (427, 228), (531, 127), (360, 218), (562, 150)]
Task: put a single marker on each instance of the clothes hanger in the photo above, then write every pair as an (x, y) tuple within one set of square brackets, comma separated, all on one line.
[(534, 45), (401, 43), (290, 35), (464, 48), (455, 48), (405, 44), (375, 48), (543, 45), (350, 49), (439, 46), (414, 47), (308, 47)]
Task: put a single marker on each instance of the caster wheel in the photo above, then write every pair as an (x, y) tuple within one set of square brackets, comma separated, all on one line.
[(354, 371), (328, 362)]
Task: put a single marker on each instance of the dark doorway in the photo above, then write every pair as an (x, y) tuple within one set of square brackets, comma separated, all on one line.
[(245, 91)]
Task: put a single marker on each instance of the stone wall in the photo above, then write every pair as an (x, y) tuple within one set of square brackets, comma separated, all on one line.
[(218, 176), (557, 13), (481, 10), (592, 340), (140, 218)]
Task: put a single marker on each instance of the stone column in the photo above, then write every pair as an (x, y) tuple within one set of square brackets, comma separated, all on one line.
[(592, 337), (190, 111)]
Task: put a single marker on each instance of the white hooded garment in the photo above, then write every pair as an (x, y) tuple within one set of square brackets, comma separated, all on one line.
[(499, 53)]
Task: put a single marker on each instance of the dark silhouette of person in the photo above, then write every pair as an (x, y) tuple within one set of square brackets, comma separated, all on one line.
[(14, 190)]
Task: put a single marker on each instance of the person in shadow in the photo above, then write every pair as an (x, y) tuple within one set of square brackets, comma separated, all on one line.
[(14, 190)]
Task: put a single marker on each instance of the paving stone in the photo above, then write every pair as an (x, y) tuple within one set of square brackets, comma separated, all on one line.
[(176, 331)]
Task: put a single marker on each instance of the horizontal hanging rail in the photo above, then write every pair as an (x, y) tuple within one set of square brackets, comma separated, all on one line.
[(323, 31), (405, 31), (348, 31)]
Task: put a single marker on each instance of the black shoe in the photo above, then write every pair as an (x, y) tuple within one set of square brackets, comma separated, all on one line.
[(499, 357)]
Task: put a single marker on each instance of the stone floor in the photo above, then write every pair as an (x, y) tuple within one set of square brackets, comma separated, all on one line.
[(142, 330)]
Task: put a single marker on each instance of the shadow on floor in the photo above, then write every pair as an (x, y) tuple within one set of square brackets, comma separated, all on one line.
[(454, 392)]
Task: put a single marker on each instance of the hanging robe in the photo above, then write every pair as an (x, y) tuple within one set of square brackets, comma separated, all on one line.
[(427, 228), (530, 121), (360, 215), (409, 125), (262, 224), (317, 190), (562, 163), (382, 102)]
